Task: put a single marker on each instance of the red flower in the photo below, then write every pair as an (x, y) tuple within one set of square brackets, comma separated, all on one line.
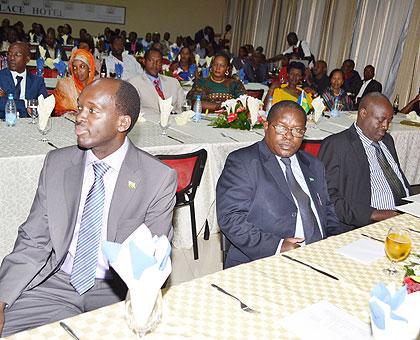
[(260, 119), (240, 109), (231, 117), (412, 286)]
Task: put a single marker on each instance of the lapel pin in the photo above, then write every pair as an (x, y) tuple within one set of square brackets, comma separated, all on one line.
[(311, 179), (131, 185)]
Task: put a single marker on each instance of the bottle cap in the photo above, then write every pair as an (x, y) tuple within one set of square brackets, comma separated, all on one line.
[(198, 97), (10, 96)]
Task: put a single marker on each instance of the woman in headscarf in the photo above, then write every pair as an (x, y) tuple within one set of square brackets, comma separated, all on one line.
[(82, 70)]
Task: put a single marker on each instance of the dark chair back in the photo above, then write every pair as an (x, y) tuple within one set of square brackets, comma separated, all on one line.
[(255, 93)]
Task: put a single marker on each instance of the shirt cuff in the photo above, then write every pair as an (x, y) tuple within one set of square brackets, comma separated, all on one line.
[(279, 246)]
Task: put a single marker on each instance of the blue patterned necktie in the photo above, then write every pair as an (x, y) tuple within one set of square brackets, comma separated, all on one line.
[(84, 267)]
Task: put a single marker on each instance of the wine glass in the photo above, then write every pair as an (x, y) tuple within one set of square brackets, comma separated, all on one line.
[(397, 247), (33, 110), (112, 74), (186, 105), (164, 126), (44, 129)]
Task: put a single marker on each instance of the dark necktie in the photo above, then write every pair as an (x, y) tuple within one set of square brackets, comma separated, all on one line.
[(310, 225), (17, 87), (394, 182), (158, 90)]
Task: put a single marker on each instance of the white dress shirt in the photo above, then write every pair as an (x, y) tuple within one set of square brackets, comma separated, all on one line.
[(362, 89), (110, 178), (305, 49), (297, 172), (131, 67), (22, 83)]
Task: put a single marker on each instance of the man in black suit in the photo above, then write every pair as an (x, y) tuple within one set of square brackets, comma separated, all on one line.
[(364, 177), (271, 196), (368, 84), (351, 77)]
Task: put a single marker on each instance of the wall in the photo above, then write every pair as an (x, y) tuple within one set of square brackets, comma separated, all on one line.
[(176, 17)]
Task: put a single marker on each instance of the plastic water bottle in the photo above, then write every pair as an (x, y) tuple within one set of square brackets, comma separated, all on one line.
[(334, 111), (197, 109), (269, 105), (10, 111)]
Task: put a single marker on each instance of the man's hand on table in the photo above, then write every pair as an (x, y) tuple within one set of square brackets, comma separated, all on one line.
[(291, 243), (2, 305), (380, 215)]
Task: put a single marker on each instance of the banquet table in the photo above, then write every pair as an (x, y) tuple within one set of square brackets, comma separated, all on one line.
[(276, 287), (22, 156)]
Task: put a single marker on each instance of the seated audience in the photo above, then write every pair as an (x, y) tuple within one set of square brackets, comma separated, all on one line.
[(239, 61), (368, 84), (82, 70), (180, 69), (166, 44), (364, 177), (218, 86), (132, 45), (147, 41), (131, 67), (298, 49), (52, 47), (256, 70), (207, 33), (57, 268), (151, 85), (17, 80), (335, 91), (265, 196), (351, 77), (283, 77), (289, 91), (226, 37), (413, 105), (318, 79)]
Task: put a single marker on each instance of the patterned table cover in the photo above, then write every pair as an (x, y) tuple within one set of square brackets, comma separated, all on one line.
[(274, 286)]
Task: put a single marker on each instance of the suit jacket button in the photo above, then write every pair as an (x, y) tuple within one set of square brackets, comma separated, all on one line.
[(294, 214)]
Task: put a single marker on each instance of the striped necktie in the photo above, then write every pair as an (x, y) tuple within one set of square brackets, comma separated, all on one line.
[(18, 87), (85, 261), (158, 90), (391, 177)]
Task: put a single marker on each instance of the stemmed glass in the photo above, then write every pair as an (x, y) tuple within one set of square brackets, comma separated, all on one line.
[(164, 126), (44, 129), (186, 105), (397, 247), (33, 110)]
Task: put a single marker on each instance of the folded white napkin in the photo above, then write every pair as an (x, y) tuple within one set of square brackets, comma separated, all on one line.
[(165, 106), (49, 63), (125, 53), (319, 107), (229, 105), (184, 117), (45, 107), (413, 116), (42, 51), (197, 59), (144, 263), (208, 61), (31, 37), (95, 40), (254, 105), (65, 37)]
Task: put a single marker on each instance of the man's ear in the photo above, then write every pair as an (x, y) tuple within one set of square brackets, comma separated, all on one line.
[(362, 113), (124, 123)]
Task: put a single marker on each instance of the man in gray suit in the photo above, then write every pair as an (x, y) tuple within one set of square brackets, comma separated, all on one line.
[(151, 85), (104, 188)]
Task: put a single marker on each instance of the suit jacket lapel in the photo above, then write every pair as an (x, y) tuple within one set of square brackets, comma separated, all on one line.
[(359, 151), (130, 172), (11, 82)]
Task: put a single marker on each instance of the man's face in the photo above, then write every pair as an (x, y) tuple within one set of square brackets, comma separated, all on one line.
[(347, 67), (98, 126), (284, 145), (50, 40), (292, 40), (17, 57), (374, 120), (148, 37), (153, 63), (166, 36), (368, 73), (243, 53), (319, 68), (117, 47)]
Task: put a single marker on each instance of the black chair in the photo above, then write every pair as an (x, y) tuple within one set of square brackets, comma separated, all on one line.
[(255, 93), (189, 168)]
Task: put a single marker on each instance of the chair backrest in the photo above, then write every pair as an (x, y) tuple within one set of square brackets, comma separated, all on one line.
[(255, 93), (189, 168)]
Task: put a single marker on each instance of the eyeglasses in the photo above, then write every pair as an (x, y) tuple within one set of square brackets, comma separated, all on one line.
[(296, 131)]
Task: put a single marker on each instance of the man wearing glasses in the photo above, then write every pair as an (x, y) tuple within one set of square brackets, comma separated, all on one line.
[(16, 80), (271, 196)]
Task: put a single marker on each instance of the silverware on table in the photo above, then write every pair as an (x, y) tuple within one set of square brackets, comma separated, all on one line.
[(373, 238), (176, 139), (69, 330), (69, 119), (243, 306), (226, 136), (414, 230), (258, 133), (51, 144), (313, 268)]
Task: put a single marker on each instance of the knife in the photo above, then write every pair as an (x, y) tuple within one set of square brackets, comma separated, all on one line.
[(178, 140), (414, 230), (373, 238), (69, 330), (313, 268), (51, 144)]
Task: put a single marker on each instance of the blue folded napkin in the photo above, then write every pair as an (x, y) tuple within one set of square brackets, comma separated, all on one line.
[(191, 70), (170, 56), (119, 70), (184, 75), (242, 74), (61, 68), (40, 66), (205, 72), (175, 50)]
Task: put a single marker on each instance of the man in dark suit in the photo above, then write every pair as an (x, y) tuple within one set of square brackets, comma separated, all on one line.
[(368, 84), (351, 77), (364, 178), (101, 189), (272, 196), (16, 80), (52, 48)]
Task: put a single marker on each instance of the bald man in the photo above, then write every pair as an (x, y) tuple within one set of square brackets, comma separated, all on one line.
[(364, 177), (17, 81)]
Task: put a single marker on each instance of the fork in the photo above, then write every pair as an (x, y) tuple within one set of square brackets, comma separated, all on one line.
[(244, 307), (226, 136)]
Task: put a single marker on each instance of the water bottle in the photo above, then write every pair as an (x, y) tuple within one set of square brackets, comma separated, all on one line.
[(269, 105), (334, 111), (197, 109), (58, 55), (10, 110)]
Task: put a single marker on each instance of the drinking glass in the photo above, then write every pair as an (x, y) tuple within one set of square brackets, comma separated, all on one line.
[(164, 127), (44, 130), (186, 105), (112, 74), (397, 247), (33, 110)]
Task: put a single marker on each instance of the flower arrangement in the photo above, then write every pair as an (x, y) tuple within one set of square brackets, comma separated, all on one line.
[(242, 113), (412, 274)]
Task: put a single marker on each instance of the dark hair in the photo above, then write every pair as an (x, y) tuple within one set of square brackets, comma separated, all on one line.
[(296, 65), (339, 70), (114, 37), (285, 104), (223, 55), (191, 58), (127, 102), (350, 61), (87, 39), (152, 49)]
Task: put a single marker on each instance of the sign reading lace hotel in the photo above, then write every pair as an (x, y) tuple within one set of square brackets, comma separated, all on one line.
[(64, 9)]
